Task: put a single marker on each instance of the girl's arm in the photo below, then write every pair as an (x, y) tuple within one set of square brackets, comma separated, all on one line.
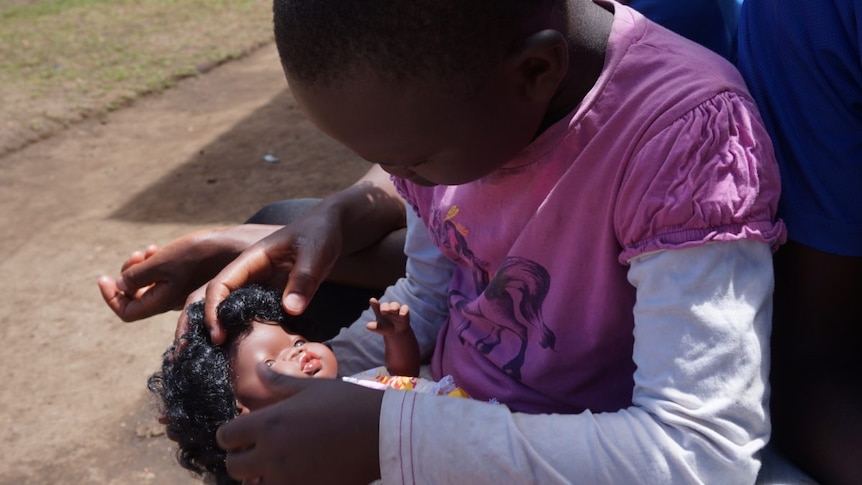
[(702, 324), (300, 256)]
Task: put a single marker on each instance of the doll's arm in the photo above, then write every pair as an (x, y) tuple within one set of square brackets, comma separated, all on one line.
[(402, 349), (424, 290)]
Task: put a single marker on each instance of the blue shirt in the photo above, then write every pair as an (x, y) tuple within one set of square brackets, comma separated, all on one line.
[(711, 23), (802, 62)]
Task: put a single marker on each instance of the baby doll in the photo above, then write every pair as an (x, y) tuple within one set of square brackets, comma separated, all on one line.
[(205, 385)]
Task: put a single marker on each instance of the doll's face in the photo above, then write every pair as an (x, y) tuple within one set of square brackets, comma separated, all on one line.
[(285, 353)]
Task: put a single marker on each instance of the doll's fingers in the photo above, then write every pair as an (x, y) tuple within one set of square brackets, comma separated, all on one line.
[(374, 303)]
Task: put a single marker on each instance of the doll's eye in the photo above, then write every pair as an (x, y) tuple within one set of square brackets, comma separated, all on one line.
[(269, 363), (299, 343)]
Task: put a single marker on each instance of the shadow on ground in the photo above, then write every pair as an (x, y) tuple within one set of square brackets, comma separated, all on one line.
[(274, 153)]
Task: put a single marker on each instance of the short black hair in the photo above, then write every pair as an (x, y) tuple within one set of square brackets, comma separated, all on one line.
[(194, 383), (319, 41)]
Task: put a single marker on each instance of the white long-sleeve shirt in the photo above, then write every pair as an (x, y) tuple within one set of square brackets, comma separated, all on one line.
[(699, 412), (698, 415)]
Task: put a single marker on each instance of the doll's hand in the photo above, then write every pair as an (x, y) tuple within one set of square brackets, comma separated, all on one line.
[(324, 431), (402, 349), (392, 318)]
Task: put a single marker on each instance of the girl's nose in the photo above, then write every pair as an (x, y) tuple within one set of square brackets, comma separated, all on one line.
[(398, 171)]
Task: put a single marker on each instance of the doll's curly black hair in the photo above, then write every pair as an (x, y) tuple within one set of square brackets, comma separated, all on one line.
[(194, 384)]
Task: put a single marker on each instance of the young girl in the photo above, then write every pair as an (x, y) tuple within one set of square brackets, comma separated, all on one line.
[(202, 386), (607, 193)]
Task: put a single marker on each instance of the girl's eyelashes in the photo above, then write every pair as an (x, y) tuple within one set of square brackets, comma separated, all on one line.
[(396, 166)]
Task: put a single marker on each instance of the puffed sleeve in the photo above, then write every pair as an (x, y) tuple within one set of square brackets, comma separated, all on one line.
[(710, 175)]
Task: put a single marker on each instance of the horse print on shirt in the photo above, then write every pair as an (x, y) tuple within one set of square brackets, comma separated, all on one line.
[(510, 302)]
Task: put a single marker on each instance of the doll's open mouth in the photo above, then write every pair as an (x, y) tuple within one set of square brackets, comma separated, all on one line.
[(311, 365)]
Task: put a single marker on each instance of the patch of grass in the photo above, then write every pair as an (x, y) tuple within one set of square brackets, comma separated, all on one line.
[(64, 59)]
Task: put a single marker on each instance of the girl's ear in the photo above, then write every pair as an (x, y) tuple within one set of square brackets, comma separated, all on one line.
[(539, 64)]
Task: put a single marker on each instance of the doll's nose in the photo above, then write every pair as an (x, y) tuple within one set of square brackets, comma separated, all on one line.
[(295, 353)]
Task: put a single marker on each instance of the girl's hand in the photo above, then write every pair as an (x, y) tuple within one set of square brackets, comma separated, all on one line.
[(301, 255), (324, 431), (298, 258), (157, 280)]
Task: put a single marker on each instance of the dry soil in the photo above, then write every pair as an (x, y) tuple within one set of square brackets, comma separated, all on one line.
[(75, 409)]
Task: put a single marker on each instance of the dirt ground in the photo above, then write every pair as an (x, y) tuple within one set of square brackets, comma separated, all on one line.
[(75, 409)]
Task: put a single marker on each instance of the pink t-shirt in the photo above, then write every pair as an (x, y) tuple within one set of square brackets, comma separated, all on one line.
[(666, 151)]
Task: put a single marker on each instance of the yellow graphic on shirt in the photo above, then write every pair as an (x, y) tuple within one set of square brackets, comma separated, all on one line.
[(450, 216)]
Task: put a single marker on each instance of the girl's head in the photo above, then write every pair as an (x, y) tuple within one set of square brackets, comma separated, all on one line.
[(324, 42), (202, 386), (436, 91)]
